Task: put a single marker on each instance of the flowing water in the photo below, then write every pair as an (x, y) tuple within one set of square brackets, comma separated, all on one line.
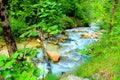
[(70, 58)]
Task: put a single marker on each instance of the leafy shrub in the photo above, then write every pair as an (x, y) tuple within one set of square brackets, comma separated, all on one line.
[(18, 26), (19, 66), (68, 22), (68, 7), (37, 14), (79, 9), (49, 16)]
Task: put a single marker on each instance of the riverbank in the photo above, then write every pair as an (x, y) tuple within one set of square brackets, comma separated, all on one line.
[(27, 43), (105, 62), (70, 58)]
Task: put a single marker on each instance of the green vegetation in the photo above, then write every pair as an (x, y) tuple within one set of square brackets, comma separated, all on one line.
[(104, 63), (51, 77), (53, 17), (19, 66)]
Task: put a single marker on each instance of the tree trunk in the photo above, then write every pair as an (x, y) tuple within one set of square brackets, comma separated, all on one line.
[(7, 33), (112, 15)]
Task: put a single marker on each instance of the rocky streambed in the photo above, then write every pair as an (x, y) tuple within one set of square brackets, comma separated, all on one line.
[(63, 49), (70, 58)]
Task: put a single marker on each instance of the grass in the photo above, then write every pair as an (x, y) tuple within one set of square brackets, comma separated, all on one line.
[(105, 61)]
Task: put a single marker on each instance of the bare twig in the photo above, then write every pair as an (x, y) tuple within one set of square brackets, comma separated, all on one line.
[(43, 44)]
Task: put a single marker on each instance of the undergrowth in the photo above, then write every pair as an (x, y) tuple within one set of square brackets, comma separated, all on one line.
[(104, 64), (19, 66)]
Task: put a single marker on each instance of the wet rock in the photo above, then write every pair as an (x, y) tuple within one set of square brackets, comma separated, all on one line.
[(78, 30), (52, 48), (74, 31), (61, 36), (57, 38), (85, 36), (61, 40), (53, 56), (4, 52), (81, 30), (72, 77)]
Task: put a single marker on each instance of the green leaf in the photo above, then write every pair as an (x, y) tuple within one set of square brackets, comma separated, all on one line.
[(1, 63), (15, 55), (35, 5), (33, 33), (25, 76), (51, 77), (44, 28), (54, 32), (33, 78), (55, 27), (9, 78), (37, 72), (8, 64), (15, 73), (24, 34), (5, 73), (44, 15), (3, 57)]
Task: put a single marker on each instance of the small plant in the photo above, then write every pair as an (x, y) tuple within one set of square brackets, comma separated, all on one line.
[(19, 66), (51, 77)]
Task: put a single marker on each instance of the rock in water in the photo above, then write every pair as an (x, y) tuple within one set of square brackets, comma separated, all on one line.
[(85, 36), (54, 56), (72, 77)]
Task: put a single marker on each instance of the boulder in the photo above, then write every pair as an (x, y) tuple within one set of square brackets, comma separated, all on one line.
[(78, 30), (74, 31), (72, 77), (81, 30), (53, 56), (85, 36)]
